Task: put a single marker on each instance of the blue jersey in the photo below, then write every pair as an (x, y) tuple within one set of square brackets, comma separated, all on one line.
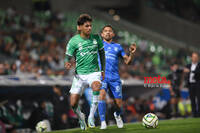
[(112, 52)]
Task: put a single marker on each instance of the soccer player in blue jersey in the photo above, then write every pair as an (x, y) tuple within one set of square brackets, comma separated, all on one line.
[(112, 79)]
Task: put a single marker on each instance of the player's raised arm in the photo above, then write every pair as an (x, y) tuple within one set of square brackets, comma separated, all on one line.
[(128, 59)]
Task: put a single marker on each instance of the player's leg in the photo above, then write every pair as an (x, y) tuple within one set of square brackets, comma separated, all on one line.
[(118, 102), (192, 91), (75, 93), (74, 98), (198, 99), (102, 106), (95, 83), (116, 90)]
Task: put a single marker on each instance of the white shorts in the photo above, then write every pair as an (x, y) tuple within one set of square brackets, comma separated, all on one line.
[(80, 82)]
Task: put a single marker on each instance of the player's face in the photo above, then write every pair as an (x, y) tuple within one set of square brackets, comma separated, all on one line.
[(195, 58), (174, 67), (86, 28), (107, 33)]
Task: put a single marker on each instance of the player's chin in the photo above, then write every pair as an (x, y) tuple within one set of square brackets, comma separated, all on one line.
[(107, 39), (89, 31)]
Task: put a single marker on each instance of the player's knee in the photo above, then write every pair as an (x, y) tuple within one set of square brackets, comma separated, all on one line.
[(72, 104), (96, 86), (102, 95)]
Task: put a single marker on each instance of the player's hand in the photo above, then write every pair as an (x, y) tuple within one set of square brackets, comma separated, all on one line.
[(132, 48), (103, 75), (186, 70), (68, 65)]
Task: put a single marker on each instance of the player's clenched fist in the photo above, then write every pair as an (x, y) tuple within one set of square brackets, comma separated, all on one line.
[(132, 48), (68, 65)]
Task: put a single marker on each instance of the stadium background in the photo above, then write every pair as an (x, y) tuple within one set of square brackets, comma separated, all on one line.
[(33, 38)]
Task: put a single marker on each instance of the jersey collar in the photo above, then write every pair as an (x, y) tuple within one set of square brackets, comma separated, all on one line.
[(107, 43)]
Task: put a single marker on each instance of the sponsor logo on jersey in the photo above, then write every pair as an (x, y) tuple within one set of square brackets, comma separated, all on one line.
[(116, 49), (117, 89), (94, 41)]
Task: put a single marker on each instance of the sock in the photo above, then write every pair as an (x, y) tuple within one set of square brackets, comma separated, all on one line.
[(118, 110), (77, 111), (102, 110), (94, 104)]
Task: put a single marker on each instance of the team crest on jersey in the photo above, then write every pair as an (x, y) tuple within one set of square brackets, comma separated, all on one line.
[(80, 48), (94, 41), (116, 49), (117, 89), (79, 44)]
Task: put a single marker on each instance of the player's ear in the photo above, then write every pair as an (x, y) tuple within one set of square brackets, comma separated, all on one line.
[(78, 28), (101, 34), (113, 34)]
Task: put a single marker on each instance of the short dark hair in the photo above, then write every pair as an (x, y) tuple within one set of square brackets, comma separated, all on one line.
[(57, 86), (195, 53), (108, 25), (84, 18)]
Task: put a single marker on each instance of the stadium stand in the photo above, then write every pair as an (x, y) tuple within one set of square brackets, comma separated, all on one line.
[(35, 44), (32, 47)]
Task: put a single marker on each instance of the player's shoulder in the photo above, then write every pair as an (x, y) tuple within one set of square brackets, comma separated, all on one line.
[(74, 40), (117, 44), (95, 36), (75, 37)]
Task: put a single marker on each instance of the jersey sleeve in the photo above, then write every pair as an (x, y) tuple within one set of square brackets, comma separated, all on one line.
[(122, 53), (70, 48), (100, 43)]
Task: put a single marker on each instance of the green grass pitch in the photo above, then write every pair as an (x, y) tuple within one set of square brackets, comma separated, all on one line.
[(188, 125)]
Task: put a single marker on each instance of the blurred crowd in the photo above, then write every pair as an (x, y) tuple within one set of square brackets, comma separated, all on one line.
[(187, 9), (17, 114), (35, 44), (32, 45), (23, 114)]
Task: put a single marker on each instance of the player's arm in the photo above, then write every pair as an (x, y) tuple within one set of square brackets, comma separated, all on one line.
[(128, 59), (102, 59), (70, 49), (102, 56), (67, 61)]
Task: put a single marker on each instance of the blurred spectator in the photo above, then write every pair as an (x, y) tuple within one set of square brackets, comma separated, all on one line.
[(193, 83), (129, 110), (175, 76), (61, 109), (38, 114), (2, 69)]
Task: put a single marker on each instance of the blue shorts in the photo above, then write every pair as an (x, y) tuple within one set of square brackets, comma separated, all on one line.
[(115, 88)]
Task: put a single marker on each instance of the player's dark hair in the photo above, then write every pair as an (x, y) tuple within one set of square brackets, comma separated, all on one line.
[(83, 18), (195, 53), (108, 25)]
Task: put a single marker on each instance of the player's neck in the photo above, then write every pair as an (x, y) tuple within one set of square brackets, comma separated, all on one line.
[(85, 36), (108, 41), (194, 62)]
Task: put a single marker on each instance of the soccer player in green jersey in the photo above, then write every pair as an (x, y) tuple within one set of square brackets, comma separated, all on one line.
[(85, 47)]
